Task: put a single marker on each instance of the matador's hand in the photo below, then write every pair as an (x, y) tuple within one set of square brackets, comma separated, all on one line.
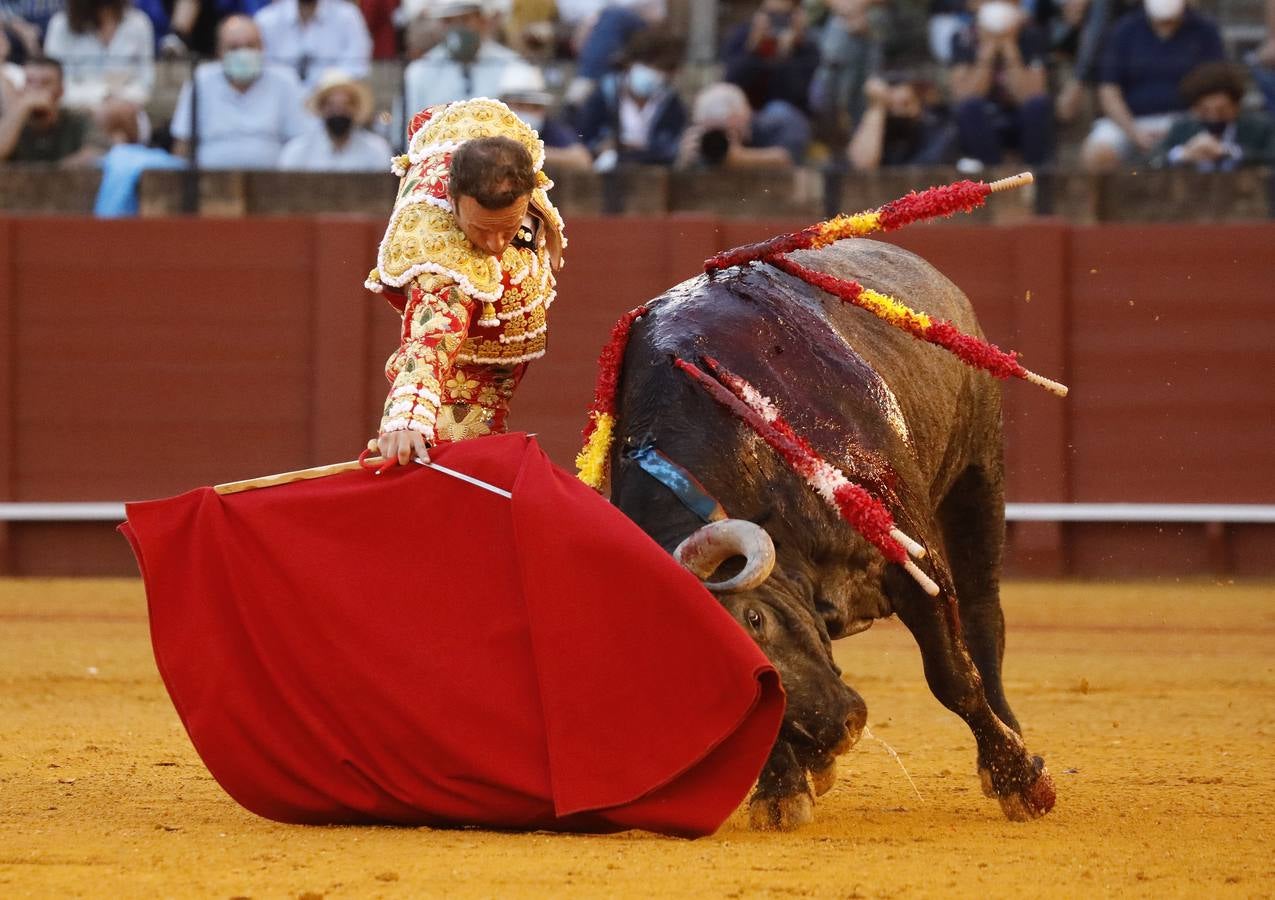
[(401, 445)]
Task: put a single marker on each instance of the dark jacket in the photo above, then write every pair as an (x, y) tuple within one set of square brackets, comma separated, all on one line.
[(1254, 135), (598, 122), (765, 78)]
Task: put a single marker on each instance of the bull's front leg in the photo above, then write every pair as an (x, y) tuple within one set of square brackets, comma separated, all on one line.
[(783, 800), (1008, 772)]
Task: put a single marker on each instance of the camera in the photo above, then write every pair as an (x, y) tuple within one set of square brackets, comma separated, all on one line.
[(714, 144)]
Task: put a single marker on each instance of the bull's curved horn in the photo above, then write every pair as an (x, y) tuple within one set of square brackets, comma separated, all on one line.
[(716, 542)]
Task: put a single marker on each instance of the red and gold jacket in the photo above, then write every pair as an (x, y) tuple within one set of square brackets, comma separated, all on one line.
[(471, 322)]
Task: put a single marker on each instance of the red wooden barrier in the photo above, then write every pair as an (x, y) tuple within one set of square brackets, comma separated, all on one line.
[(143, 358)]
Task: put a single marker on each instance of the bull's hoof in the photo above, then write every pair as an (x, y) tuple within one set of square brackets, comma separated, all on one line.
[(823, 775), (781, 813), (1024, 805)]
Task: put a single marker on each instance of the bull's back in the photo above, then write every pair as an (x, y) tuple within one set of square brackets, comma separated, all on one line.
[(942, 400), (836, 371)]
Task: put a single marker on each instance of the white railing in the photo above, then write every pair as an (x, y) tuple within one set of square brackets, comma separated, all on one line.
[(1228, 513)]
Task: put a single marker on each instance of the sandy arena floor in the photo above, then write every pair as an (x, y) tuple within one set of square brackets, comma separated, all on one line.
[(1154, 707)]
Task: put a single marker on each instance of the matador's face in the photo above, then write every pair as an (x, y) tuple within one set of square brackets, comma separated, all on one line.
[(490, 230)]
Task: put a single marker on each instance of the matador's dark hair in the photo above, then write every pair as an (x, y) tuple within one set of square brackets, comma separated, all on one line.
[(495, 171)]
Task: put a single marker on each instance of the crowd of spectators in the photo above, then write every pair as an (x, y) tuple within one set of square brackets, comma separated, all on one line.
[(856, 83)]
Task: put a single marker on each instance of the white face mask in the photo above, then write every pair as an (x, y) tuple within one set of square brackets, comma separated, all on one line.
[(242, 65), (997, 17), (644, 82), (1164, 10)]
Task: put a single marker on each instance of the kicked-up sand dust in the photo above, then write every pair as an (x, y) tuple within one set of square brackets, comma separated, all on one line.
[(1153, 705)]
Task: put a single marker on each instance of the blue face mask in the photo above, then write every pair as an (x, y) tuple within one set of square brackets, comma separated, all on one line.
[(242, 65), (644, 82)]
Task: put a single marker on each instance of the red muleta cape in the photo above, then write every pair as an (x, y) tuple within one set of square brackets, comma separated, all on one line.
[(409, 648)]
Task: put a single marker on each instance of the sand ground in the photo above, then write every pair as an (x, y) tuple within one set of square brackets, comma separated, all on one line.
[(1153, 704)]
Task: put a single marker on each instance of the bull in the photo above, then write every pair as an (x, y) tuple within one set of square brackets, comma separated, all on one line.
[(895, 414)]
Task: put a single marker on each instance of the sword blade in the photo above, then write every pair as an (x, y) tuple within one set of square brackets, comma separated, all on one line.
[(463, 477)]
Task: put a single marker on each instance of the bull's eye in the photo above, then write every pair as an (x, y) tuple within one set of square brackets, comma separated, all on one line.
[(753, 617)]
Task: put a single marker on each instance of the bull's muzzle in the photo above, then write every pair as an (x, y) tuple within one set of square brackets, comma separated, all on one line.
[(716, 542)]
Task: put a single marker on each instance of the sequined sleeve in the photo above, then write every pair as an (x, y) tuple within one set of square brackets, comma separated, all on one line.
[(435, 322)]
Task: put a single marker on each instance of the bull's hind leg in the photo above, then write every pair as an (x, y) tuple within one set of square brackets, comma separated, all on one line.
[(972, 517), (1019, 781)]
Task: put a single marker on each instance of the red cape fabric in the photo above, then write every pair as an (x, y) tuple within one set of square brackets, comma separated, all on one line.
[(410, 648)]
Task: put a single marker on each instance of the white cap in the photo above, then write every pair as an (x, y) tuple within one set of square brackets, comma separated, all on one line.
[(521, 82), (445, 9)]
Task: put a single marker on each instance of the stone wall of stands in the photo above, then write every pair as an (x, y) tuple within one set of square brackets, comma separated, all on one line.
[(807, 193), (146, 357)]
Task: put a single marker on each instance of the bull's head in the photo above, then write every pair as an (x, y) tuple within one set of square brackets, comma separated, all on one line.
[(824, 716)]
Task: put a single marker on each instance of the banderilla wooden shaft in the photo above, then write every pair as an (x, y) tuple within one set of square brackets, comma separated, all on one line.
[(1013, 181)]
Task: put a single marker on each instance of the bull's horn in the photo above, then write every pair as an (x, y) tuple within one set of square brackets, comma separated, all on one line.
[(717, 542)]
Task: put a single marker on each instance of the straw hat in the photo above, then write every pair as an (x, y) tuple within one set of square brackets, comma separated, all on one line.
[(334, 79)]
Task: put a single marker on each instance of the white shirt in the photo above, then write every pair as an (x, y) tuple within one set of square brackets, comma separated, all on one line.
[(636, 121), (314, 151), (242, 130), (335, 38), (435, 78), (92, 70)]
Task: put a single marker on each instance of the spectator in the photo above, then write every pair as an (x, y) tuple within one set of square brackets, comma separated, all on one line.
[(600, 30), (344, 105), (532, 30), (157, 14), (725, 133), (29, 19), (771, 56), (383, 27), (466, 63), (1091, 21), (193, 24), (421, 31), (312, 36), (34, 125), (247, 109), (125, 161), (10, 68), (603, 33), (899, 128), (1147, 54), (850, 53), (635, 115), (107, 49), (19, 38), (947, 17), (522, 89), (1263, 61), (998, 83), (1215, 135)]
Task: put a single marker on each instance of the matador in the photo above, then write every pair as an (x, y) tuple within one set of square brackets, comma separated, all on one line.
[(469, 259)]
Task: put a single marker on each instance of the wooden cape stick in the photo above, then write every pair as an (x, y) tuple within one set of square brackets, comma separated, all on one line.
[(249, 484)]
